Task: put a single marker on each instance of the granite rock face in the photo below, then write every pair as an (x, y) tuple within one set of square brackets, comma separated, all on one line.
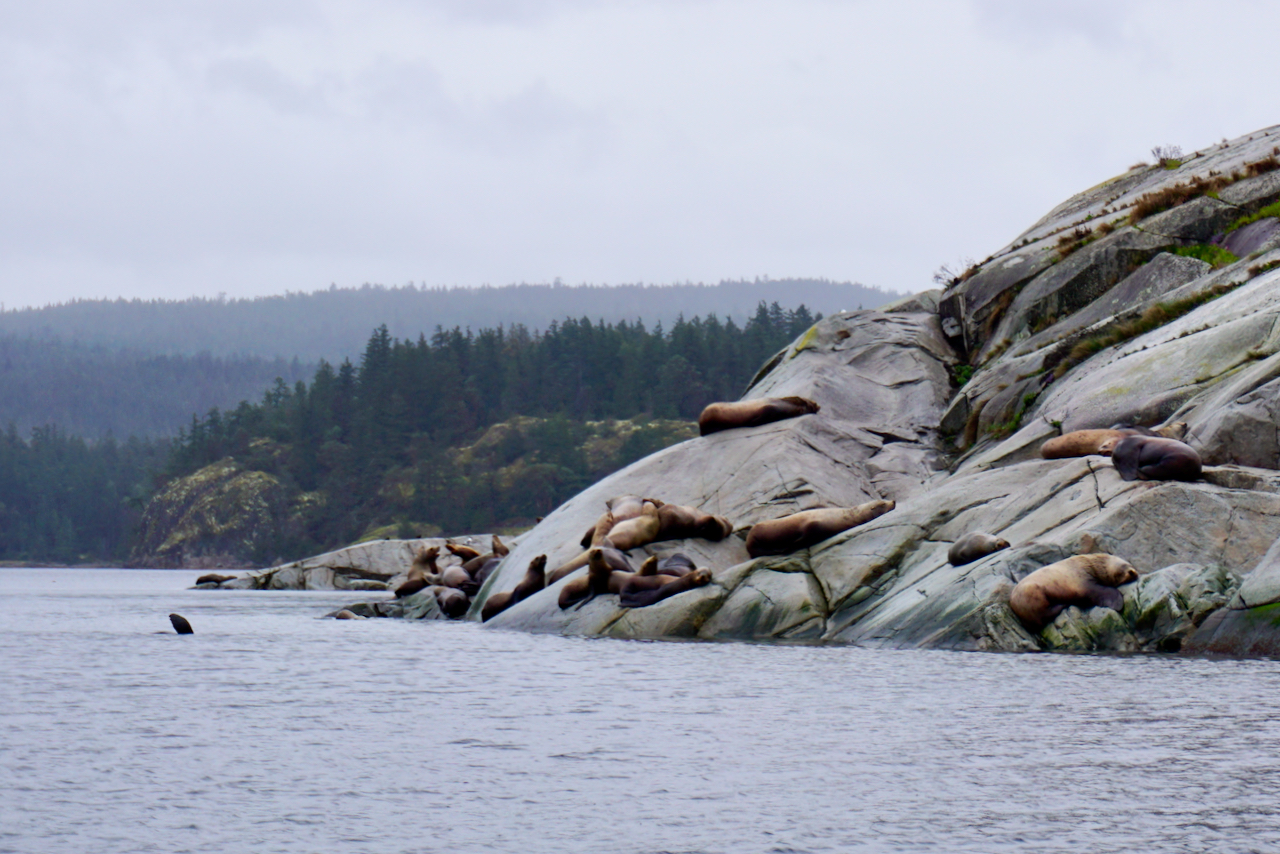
[(1119, 324)]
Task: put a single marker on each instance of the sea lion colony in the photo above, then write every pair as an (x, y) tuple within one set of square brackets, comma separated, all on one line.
[(630, 522)]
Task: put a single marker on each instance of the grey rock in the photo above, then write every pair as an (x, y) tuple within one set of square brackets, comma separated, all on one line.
[(1255, 237), (925, 301)]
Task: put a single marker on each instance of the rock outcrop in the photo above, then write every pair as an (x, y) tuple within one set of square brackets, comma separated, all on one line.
[(379, 565), (1120, 306)]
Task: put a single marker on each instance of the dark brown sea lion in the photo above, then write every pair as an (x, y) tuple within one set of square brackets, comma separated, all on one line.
[(453, 602), (465, 553), (1154, 458), (794, 532), (214, 578), (180, 624), (605, 574), (973, 546), (752, 413), (422, 574), (535, 579), (1083, 581), (639, 591)]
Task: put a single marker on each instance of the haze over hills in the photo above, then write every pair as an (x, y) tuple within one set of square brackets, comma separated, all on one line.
[(334, 324)]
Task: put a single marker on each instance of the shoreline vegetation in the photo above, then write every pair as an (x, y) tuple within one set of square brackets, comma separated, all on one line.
[(453, 431)]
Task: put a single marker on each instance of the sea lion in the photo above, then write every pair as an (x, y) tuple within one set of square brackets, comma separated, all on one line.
[(497, 547), (970, 547), (619, 509), (605, 574), (180, 624), (1083, 580), (465, 553), (752, 413), (422, 574), (794, 532), (453, 602), (214, 578), (1082, 443), (676, 522), (455, 576), (639, 591), (535, 579), (675, 565), (345, 614), (1154, 458)]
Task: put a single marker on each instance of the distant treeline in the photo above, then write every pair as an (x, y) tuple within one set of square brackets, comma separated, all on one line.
[(63, 500), (378, 441), (334, 323), (94, 392)]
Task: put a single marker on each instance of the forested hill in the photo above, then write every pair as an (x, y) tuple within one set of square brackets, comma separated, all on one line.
[(334, 324), (95, 391), (454, 432)]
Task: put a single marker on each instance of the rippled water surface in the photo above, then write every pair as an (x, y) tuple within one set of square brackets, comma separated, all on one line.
[(272, 730)]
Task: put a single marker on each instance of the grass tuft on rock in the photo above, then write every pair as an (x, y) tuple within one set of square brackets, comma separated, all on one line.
[(1153, 318), (1214, 256)]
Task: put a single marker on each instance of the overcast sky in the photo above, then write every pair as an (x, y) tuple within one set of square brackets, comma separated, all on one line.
[(175, 149)]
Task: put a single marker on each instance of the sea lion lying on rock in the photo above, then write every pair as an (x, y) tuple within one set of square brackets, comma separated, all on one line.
[(453, 602), (345, 614), (1153, 458), (973, 546), (422, 574), (641, 591), (214, 578), (605, 574), (795, 532), (619, 509), (464, 553), (752, 413), (1084, 581), (535, 579), (1082, 443)]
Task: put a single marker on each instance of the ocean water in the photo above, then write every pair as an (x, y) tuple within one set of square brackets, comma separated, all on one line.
[(271, 729)]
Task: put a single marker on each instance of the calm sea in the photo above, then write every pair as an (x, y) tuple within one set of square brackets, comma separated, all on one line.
[(270, 729)]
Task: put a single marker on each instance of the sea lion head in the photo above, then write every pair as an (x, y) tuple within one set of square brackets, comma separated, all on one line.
[(1111, 570)]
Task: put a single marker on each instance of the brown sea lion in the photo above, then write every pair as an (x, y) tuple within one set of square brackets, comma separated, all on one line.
[(970, 547), (535, 579), (640, 591), (676, 522), (214, 578), (675, 565), (1082, 443), (1083, 581), (604, 575), (465, 553), (345, 614), (453, 602), (752, 413), (423, 573), (794, 532), (497, 548), (180, 624), (620, 508), (1154, 458)]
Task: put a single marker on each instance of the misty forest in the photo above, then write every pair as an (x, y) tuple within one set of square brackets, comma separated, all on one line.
[(459, 431)]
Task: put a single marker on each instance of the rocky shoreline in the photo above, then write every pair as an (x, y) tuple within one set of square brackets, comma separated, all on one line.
[(1151, 298)]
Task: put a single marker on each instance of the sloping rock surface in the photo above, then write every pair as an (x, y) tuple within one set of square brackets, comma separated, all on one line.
[(1121, 325)]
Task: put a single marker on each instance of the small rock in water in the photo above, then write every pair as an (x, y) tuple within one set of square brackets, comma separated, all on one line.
[(180, 624), (346, 614)]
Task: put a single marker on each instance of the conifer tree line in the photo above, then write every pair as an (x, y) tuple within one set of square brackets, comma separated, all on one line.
[(375, 440), (392, 439)]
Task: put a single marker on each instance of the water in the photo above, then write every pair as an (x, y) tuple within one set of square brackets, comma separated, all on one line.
[(271, 730)]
